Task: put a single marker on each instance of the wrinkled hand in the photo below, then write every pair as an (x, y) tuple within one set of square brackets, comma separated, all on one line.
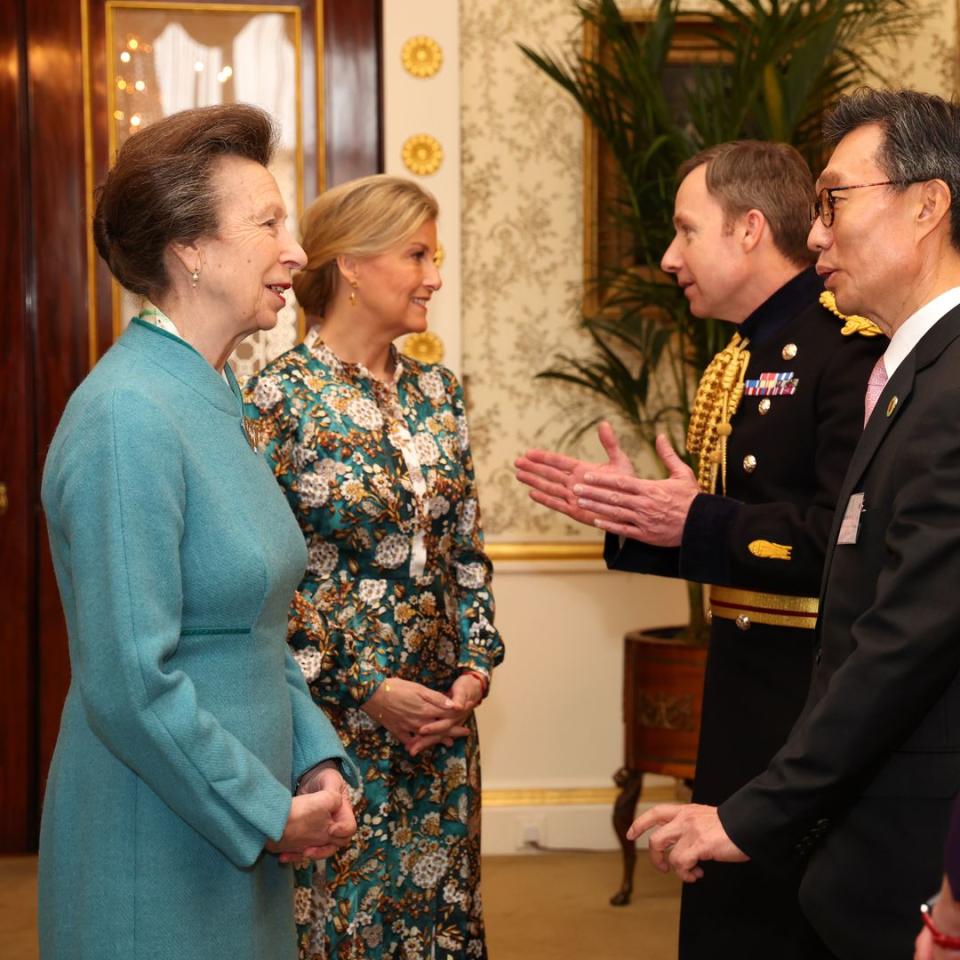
[(686, 834), (320, 822), (466, 693), (405, 708), (653, 511), (552, 476)]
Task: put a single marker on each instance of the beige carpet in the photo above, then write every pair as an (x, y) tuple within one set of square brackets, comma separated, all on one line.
[(550, 906)]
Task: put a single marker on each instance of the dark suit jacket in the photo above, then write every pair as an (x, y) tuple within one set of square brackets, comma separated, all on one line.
[(875, 757)]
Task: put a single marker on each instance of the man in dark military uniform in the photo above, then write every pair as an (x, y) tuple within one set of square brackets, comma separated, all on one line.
[(777, 416)]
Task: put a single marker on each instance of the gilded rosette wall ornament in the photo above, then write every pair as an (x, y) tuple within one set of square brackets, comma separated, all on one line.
[(421, 56), (426, 347), (439, 256), (422, 154)]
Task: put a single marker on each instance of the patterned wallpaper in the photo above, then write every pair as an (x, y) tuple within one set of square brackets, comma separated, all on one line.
[(522, 248), (523, 235)]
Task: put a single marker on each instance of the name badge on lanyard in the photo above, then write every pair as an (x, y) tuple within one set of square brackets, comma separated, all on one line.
[(850, 525)]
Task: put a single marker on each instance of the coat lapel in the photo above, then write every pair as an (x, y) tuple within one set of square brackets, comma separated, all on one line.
[(895, 395)]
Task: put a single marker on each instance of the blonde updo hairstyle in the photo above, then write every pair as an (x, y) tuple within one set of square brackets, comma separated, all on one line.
[(361, 218)]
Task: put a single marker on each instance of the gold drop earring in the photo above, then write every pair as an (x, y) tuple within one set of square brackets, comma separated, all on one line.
[(195, 277), (353, 293)]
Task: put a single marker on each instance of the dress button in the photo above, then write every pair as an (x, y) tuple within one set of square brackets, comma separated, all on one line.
[(743, 622), (764, 406), (749, 463), (789, 351)]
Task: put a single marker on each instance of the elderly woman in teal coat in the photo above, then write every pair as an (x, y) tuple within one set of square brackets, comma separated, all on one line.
[(192, 765)]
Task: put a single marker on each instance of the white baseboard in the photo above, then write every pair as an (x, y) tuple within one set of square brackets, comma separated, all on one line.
[(535, 827)]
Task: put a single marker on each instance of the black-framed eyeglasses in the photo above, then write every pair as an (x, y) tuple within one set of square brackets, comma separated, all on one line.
[(824, 207)]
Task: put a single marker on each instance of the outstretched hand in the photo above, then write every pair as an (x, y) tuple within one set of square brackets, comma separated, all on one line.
[(552, 476), (685, 834), (652, 511)]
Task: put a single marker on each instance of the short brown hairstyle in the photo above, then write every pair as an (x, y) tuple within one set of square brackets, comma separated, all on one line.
[(361, 218), (158, 191), (770, 177)]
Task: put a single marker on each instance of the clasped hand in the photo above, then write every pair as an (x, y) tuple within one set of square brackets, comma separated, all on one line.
[(609, 495), (321, 819), (420, 717)]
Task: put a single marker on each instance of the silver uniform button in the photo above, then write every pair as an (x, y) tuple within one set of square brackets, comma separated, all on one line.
[(743, 622), (789, 351), (749, 463), (764, 406)]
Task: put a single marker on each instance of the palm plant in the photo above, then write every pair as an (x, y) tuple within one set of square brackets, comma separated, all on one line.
[(778, 65)]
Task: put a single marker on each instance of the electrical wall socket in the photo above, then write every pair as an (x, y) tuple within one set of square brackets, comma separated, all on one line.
[(531, 832)]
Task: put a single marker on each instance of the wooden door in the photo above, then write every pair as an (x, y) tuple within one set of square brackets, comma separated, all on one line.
[(56, 51)]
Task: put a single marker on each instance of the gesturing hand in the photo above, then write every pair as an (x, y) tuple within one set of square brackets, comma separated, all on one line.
[(552, 476), (686, 834), (653, 511)]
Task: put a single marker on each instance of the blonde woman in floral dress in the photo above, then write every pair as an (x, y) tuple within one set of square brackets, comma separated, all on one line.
[(393, 622)]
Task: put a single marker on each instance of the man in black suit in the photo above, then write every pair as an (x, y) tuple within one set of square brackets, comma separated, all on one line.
[(756, 529), (866, 778)]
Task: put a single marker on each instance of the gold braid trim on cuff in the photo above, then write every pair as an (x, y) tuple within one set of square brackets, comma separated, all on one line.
[(717, 400), (773, 609)]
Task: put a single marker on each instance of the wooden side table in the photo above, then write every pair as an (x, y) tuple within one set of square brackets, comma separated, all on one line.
[(662, 694)]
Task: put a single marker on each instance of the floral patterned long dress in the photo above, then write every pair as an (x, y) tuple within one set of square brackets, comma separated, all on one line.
[(380, 478)]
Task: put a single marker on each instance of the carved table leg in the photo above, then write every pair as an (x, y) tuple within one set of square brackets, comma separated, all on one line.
[(630, 783)]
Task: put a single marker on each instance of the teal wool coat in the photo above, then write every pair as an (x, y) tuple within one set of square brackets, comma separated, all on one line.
[(187, 722)]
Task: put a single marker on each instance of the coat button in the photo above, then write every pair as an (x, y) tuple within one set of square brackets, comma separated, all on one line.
[(743, 622), (789, 351), (749, 463), (764, 406)]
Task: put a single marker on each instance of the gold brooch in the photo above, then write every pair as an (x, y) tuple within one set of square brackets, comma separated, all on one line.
[(422, 154), (852, 324), (421, 56), (425, 347)]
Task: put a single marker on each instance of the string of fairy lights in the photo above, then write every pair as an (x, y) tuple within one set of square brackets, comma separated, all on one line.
[(135, 76)]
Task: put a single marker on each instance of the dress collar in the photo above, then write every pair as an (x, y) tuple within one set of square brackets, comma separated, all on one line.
[(182, 361), (353, 371)]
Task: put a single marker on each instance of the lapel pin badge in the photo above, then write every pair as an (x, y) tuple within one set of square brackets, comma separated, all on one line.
[(892, 405)]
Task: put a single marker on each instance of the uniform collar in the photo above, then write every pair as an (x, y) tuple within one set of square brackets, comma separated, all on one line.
[(780, 308)]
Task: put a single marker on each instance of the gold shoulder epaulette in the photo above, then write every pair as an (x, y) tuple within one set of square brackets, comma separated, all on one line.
[(852, 324), (717, 399)]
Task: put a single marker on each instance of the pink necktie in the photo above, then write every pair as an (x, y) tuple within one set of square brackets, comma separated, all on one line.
[(875, 385)]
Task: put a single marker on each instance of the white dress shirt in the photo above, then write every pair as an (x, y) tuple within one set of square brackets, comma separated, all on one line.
[(913, 329)]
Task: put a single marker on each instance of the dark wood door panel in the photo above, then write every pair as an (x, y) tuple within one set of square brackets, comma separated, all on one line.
[(17, 586)]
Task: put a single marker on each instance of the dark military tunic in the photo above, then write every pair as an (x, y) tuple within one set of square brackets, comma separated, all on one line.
[(786, 458)]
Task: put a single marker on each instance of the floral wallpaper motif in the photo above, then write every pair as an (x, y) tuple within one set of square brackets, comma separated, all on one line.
[(522, 248)]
